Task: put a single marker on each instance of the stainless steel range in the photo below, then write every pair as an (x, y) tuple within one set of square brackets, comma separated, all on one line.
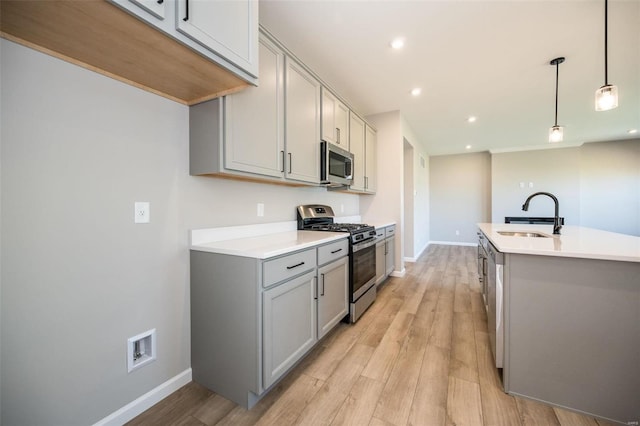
[(362, 253)]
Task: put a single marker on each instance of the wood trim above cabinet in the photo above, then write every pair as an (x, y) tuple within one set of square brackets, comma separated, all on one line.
[(101, 37)]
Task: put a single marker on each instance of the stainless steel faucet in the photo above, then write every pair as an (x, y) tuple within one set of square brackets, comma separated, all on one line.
[(556, 218)]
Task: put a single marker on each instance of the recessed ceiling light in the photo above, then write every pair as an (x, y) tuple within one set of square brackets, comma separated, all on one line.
[(397, 43), (632, 131), (467, 147), (416, 91), (472, 119)]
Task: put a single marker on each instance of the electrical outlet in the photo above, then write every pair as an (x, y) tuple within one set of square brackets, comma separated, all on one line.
[(260, 209), (142, 212), (457, 232)]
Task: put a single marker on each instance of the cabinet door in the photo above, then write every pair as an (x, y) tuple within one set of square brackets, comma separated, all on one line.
[(228, 28), (370, 163), (342, 125), (302, 124), (254, 119), (391, 255), (381, 261), (289, 325), (356, 144), (335, 120), (333, 287)]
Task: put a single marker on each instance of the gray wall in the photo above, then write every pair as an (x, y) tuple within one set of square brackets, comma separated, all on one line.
[(597, 184), (78, 276), (552, 170), (460, 190), (610, 186)]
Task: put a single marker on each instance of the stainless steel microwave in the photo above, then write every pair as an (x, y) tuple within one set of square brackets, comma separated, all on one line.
[(336, 165)]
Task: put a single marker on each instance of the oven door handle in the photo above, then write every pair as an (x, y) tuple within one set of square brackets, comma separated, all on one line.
[(363, 245)]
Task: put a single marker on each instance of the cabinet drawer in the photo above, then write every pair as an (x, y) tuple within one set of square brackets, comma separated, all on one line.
[(333, 251), (390, 231), (289, 266), (380, 232)]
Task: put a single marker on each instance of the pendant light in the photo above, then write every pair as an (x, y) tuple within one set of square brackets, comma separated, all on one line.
[(556, 132), (607, 95)]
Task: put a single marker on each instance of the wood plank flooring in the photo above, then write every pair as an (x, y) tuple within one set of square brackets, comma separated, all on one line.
[(419, 356)]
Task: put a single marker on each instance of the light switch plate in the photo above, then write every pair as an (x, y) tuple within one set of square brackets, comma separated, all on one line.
[(142, 213)]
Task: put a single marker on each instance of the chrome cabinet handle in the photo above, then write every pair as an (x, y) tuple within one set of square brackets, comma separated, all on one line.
[(338, 134), (282, 152), (322, 293), (295, 266), (290, 163)]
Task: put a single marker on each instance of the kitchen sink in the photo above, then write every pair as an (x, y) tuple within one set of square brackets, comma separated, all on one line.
[(522, 234)]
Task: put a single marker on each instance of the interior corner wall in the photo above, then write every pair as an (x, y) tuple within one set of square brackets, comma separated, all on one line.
[(409, 199), (420, 186), (460, 192), (386, 204)]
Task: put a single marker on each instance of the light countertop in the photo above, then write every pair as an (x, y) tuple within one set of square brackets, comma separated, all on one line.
[(270, 245), (379, 225), (573, 241)]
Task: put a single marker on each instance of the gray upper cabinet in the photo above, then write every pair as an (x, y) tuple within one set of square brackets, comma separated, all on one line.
[(227, 28), (362, 142), (154, 7), (335, 120), (225, 32), (254, 119), (356, 143), (370, 140), (259, 133), (302, 124)]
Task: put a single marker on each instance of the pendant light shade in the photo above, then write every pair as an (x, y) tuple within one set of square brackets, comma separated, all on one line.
[(607, 95), (556, 132)]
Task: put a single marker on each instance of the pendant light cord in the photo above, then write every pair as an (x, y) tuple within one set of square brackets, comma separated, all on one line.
[(606, 20), (557, 74)]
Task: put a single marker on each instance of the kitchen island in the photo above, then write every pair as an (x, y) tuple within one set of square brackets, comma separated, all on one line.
[(571, 318)]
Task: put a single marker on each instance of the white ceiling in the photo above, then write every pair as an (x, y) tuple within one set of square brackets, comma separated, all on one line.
[(489, 59)]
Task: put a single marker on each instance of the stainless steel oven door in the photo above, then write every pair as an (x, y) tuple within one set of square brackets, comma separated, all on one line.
[(363, 268)]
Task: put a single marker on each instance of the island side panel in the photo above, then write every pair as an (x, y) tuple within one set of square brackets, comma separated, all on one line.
[(573, 334), (225, 326)]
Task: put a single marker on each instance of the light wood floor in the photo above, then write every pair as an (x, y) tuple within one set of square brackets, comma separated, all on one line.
[(419, 356)]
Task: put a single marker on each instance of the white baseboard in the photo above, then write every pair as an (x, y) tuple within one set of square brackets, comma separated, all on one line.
[(453, 243), (415, 259), (399, 274), (137, 407)]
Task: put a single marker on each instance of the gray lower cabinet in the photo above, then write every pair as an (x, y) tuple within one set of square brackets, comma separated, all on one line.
[(253, 319), (333, 280), (381, 260), (289, 325), (390, 256), (385, 252)]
